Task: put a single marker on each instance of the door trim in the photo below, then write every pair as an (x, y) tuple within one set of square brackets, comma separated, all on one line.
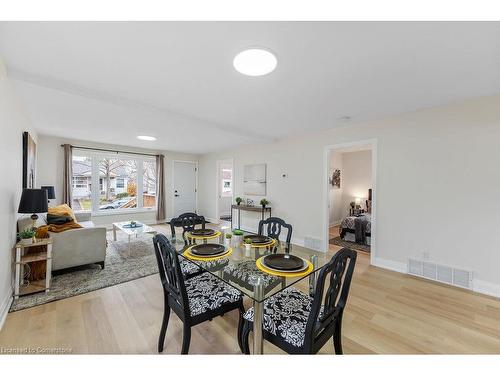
[(173, 183), (217, 180), (372, 142)]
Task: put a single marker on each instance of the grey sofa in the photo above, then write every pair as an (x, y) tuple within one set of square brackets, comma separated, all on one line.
[(74, 247)]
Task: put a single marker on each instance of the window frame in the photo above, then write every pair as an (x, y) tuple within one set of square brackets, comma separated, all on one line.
[(95, 157)]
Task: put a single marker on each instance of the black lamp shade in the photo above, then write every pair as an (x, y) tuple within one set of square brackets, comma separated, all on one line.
[(33, 201), (51, 192)]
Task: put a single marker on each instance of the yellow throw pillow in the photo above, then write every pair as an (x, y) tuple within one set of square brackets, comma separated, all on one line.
[(62, 209)]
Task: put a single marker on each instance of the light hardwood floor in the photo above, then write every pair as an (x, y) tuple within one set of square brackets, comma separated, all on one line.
[(387, 312)]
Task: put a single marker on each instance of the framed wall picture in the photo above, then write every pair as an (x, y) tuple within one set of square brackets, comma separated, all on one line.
[(29, 161), (254, 179), (335, 180)]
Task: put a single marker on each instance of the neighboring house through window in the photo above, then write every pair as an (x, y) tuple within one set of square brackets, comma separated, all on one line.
[(119, 177)]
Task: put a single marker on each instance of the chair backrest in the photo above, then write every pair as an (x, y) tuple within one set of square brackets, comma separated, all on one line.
[(328, 306), (188, 222), (274, 226), (171, 275)]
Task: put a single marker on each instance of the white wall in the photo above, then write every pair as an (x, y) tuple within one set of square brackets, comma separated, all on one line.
[(438, 177), (357, 178), (336, 214), (50, 171), (12, 124)]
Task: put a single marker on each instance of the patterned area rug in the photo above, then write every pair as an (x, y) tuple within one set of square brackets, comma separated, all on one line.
[(122, 265), (350, 245)]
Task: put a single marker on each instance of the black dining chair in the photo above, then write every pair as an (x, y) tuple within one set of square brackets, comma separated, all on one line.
[(194, 300), (300, 324), (272, 227), (188, 221)]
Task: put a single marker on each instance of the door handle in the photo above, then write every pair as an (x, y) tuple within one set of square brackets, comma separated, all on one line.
[(176, 195)]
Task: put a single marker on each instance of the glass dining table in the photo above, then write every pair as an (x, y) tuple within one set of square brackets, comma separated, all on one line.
[(239, 269)]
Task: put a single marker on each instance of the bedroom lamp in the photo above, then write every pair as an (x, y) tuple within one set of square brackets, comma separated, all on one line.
[(33, 201)]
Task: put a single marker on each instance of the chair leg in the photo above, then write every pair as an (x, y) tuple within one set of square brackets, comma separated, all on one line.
[(245, 333), (186, 339), (241, 321), (337, 336), (164, 325)]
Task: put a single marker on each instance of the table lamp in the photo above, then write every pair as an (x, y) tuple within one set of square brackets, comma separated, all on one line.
[(51, 192), (33, 201)]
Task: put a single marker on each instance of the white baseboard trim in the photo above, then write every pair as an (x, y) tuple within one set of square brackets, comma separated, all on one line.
[(390, 265), (478, 286), (485, 287), (4, 309), (335, 223)]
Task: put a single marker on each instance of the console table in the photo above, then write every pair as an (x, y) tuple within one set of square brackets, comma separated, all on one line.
[(241, 207)]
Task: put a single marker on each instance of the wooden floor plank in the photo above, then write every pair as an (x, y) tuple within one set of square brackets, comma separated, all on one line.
[(387, 312)]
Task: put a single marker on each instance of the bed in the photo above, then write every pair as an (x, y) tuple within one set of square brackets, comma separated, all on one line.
[(357, 229)]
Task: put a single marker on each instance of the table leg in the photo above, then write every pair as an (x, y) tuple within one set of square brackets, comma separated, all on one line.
[(48, 268), (239, 219), (258, 317), (18, 272), (114, 232), (312, 276)]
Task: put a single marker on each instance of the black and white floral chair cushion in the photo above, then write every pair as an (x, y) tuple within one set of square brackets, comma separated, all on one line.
[(247, 273), (206, 292), (188, 268), (285, 315)]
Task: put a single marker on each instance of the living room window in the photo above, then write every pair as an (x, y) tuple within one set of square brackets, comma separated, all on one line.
[(119, 178)]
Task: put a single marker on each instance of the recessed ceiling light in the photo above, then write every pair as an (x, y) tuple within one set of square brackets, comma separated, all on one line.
[(146, 138), (255, 62)]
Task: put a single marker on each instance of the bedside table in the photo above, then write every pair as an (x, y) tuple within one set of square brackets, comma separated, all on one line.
[(21, 259)]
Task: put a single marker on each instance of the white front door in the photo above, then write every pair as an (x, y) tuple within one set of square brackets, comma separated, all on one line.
[(184, 177)]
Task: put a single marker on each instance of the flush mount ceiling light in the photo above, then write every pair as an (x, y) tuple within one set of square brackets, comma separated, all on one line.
[(146, 138), (255, 62)]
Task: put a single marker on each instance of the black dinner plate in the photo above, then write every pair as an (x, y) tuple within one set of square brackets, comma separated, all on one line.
[(258, 239), (202, 232), (208, 249), (283, 262)]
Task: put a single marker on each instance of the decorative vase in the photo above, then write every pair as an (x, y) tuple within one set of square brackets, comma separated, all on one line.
[(236, 240), (248, 249)]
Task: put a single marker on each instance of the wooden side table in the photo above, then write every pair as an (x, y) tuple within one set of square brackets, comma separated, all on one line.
[(21, 259)]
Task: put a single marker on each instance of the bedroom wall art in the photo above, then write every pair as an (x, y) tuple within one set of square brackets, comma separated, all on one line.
[(254, 179), (335, 179)]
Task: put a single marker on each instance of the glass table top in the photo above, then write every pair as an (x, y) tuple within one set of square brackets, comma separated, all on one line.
[(239, 269)]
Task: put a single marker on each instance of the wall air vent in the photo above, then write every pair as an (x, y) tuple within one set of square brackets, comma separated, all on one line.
[(440, 273)]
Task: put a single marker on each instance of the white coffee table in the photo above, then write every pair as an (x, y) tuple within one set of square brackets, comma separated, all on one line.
[(137, 231)]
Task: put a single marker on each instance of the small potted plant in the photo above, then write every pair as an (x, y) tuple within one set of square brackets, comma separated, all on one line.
[(248, 246), (237, 238), (264, 202), (27, 236), (227, 239), (238, 200)]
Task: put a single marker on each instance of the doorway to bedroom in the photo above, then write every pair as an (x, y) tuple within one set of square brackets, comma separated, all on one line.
[(350, 198)]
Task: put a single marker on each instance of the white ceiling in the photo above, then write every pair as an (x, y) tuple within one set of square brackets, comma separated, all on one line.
[(110, 81)]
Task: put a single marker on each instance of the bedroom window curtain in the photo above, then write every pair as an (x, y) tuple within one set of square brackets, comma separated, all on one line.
[(68, 175), (160, 188)]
